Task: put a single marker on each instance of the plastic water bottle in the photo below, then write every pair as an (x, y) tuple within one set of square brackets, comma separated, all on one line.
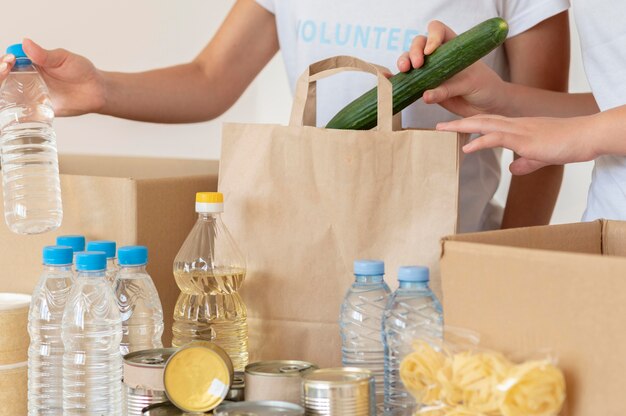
[(412, 313), (361, 322), (109, 248), (30, 167), (92, 331), (45, 318), (209, 270), (138, 302), (77, 242)]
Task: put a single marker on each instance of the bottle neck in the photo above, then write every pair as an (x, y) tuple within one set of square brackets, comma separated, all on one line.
[(53, 268), (209, 216), (133, 269), (92, 274), (413, 285), (22, 64), (361, 278)]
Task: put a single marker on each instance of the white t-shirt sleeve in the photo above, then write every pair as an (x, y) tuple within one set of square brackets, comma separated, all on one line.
[(268, 4), (524, 14)]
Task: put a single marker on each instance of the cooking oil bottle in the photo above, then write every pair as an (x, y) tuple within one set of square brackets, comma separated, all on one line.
[(209, 270)]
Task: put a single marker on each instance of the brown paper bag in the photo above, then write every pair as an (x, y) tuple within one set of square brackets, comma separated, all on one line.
[(303, 203)]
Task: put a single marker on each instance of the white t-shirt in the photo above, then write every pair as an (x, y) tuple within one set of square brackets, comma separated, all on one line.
[(602, 29), (378, 32)]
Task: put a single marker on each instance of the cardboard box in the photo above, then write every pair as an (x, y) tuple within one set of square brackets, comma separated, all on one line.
[(149, 202), (558, 289)]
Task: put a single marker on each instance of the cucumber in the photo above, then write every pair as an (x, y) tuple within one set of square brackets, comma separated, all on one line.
[(448, 60)]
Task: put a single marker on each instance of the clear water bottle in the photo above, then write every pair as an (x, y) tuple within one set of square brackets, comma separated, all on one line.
[(109, 248), (30, 168), (361, 319), (412, 313), (77, 242), (209, 270), (92, 332), (45, 318), (138, 302)]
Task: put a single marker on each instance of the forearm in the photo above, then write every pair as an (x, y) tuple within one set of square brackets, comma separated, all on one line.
[(523, 101), (607, 130), (206, 87), (179, 94)]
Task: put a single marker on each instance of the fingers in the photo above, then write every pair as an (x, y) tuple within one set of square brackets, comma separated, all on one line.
[(523, 166), (404, 62), (43, 57), (438, 34), (6, 63), (416, 53), (481, 124)]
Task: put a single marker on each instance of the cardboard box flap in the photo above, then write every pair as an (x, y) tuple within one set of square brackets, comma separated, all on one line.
[(576, 238), (136, 168)]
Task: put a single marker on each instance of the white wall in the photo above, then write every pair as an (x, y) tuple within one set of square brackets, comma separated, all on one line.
[(144, 34)]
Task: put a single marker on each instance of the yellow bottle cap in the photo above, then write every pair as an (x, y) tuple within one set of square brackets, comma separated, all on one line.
[(209, 202), (210, 197)]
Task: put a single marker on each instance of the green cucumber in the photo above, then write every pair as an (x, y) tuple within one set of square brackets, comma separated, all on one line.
[(448, 60)]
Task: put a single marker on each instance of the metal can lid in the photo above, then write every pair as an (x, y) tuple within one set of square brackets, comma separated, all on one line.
[(338, 376), (259, 408), (149, 358), (280, 368), (197, 377)]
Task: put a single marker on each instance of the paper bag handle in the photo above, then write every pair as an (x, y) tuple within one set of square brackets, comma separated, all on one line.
[(304, 113)]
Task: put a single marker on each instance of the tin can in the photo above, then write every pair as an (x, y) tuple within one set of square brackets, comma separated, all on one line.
[(279, 380), (237, 389), (198, 376), (339, 392), (259, 408), (162, 409), (143, 378)]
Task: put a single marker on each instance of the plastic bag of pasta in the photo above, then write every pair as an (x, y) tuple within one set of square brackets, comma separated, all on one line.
[(460, 379)]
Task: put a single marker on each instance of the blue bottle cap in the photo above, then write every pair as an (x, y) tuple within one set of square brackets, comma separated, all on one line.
[(132, 255), (103, 245), (77, 242), (16, 50), (57, 255), (91, 261), (413, 274), (369, 267)]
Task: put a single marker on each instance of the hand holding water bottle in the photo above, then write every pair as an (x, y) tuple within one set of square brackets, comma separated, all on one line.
[(76, 86)]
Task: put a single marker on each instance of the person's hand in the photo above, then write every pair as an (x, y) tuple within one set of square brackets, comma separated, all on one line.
[(76, 86), (476, 90), (538, 141)]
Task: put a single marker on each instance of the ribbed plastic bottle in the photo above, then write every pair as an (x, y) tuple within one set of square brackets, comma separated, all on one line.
[(412, 313), (361, 319), (209, 270), (30, 167), (109, 248), (92, 332), (138, 302), (77, 242), (45, 318)]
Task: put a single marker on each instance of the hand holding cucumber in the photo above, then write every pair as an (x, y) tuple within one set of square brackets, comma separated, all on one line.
[(475, 90)]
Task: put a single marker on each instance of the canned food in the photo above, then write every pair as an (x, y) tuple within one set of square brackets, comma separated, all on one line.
[(279, 380), (237, 389), (143, 378), (339, 392), (259, 408), (162, 409), (197, 377)]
